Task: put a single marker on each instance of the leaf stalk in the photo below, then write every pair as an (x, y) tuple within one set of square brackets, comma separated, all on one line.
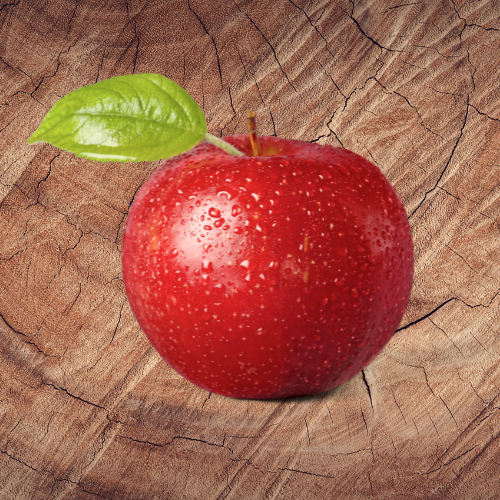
[(217, 141)]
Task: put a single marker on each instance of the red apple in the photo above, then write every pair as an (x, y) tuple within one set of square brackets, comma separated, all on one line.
[(268, 276)]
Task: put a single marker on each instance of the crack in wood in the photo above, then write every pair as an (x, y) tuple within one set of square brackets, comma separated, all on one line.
[(411, 106), (444, 464), (360, 29), (365, 381), (20, 461), (212, 40), (467, 24), (62, 389), (446, 335), (399, 6), (408, 325), (273, 50), (447, 163), (437, 396), (324, 39)]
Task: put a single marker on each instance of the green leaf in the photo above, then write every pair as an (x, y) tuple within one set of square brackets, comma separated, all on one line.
[(141, 117)]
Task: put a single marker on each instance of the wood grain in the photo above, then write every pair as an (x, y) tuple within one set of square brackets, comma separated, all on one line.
[(89, 411)]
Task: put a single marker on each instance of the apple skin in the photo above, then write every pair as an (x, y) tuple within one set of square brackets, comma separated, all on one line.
[(268, 277)]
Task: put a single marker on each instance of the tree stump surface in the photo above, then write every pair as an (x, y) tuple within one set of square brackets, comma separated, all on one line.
[(89, 411)]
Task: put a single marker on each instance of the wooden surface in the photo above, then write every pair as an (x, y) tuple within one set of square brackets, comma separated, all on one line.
[(89, 411)]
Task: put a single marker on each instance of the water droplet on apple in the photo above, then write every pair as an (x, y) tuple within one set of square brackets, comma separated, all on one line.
[(236, 210), (214, 212), (174, 252), (207, 228), (207, 266), (207, 247), (239, 230), (227, 191), (218, 223)]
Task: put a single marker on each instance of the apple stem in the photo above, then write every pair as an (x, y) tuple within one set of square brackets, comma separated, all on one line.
[(217, 141), (252, 131)]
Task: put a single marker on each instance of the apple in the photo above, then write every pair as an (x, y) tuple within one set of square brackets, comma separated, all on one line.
[(268, 276), (257, 269)]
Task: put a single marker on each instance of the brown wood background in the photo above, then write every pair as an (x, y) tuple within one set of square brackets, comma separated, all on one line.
[(89, 411)]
